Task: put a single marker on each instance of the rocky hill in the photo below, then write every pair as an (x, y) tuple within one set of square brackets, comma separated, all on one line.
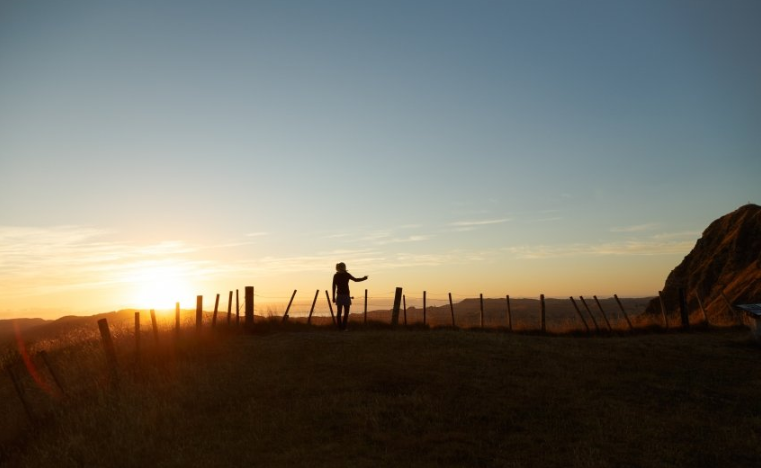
[(725, 260)]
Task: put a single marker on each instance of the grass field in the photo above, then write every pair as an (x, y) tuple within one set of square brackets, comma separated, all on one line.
[(316, 397)]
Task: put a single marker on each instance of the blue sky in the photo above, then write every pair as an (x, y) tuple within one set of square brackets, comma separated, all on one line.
[(515, 147)]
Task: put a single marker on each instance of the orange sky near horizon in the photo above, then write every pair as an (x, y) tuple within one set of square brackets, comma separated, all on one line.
[(155, 151)]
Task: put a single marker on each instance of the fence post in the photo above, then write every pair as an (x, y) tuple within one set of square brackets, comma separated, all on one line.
[(404, 303), (237, 308), (424, 308), (578, 312), (397, 303), (702, 309), (509, 315), (53, 372), (137, 337), (621, 306), (597, 328), (21, 395), (544, 320), (663, 310), (108, 347), (732, 311), (311, 309), (451, 309), (229, 308), (214, 316), (199, 313), (365, 313), (285, 315), (155, 327), (330, 307), (177, 318), (249, 300), (604, 315), (481, 297)]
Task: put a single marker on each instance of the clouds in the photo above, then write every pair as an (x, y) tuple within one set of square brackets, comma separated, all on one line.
[(469, 225), (35, 262), (54, 259), (654, 245), (635, 228)]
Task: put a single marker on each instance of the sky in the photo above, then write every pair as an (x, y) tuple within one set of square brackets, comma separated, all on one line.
[(155, 151)]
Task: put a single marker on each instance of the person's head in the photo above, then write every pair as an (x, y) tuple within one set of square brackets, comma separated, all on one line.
[(341, 267)]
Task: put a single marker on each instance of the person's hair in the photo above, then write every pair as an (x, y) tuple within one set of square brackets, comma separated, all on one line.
[(341, 267)]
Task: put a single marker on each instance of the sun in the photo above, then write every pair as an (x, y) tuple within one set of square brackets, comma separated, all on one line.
[(160, 287)]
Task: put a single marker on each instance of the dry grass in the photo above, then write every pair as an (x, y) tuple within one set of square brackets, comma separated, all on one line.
[(299, 396)]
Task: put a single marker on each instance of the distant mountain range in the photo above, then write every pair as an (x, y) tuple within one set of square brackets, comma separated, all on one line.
[(525, 314)]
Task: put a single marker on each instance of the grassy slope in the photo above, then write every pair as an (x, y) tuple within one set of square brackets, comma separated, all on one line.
[(426, 398)]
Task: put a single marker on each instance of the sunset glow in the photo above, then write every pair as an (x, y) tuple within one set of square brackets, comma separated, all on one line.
[(149, 154), (160, 287)]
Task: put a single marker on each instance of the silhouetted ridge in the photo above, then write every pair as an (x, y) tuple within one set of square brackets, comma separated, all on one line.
[(727, 258)]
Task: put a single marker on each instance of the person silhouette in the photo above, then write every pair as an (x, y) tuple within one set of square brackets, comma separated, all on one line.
[(341, 293)]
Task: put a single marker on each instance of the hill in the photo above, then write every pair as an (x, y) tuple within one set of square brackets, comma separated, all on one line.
[(8, 327), (725, 260)]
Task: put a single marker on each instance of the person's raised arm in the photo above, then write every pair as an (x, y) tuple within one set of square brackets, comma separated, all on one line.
[(359, 279)]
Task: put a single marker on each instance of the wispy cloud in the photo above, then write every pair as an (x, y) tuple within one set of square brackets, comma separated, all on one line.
[(45, 260), (472, 225), (678, 235), (385, 236), (635, 228), (642, 247), (479, 222), (483, 222), (257, 234)]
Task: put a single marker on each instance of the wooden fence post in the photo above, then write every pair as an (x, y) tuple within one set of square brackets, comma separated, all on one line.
[(424, 309), (404, 303), (581, 316), (597, 328), (481, 299), (451, 309), (663, 310), (249, 300), (214, 316), (137, 337), (177, 318), (397, 303), (544, 321), (621, 306), (285, 315), (155, 327), (365, 313), (108, 347), (199, 313), (21, 395), (237, 308), (509, 315), (702, 309), (683, 310), (330, 307), (732, 312), (311, 309), (53, 372), (604, 315), (229, 308)]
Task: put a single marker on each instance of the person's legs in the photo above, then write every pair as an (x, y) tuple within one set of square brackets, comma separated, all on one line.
[(339, 309), (346, 317)]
